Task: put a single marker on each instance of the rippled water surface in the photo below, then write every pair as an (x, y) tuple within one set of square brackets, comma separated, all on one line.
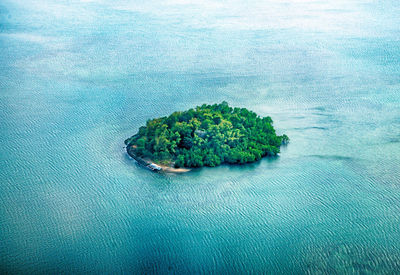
[(78, 77)]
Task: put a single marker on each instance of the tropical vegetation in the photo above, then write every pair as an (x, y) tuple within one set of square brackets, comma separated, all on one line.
[(207, 135)]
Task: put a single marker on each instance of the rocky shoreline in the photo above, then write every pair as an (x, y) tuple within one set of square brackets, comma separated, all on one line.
[(153, 166)]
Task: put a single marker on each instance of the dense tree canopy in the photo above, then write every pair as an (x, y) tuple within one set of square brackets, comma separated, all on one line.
[(207, 136)]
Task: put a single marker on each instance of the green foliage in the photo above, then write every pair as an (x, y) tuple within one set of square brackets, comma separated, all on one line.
[(208, 136)]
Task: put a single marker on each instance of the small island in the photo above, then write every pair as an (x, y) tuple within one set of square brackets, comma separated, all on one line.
[(207, 135)]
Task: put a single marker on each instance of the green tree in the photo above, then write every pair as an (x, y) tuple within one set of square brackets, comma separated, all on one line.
[(207, 135)]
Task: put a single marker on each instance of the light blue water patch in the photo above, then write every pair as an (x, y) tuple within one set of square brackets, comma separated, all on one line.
[(79, 77)]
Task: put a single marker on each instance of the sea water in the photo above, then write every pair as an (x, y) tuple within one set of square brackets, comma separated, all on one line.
[(79, 77)]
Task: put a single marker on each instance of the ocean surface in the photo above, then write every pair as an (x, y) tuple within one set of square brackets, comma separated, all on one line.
[(79, 77)]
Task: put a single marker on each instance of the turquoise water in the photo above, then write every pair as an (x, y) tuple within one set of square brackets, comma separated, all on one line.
[(78, 77)]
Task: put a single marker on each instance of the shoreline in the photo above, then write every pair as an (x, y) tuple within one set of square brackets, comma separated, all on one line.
[(146, 162)]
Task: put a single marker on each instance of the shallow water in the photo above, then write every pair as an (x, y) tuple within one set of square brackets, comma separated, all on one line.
[(78, 77)]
